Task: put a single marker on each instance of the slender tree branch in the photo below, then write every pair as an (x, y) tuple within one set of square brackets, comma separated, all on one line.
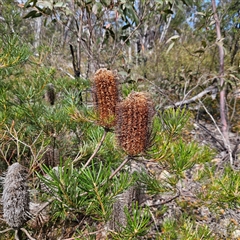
[(43, 207), (211, 89), (132, 33), (225, 141), (120, 167)]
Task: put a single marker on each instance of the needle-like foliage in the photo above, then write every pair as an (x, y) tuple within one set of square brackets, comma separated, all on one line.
[(85, 191)]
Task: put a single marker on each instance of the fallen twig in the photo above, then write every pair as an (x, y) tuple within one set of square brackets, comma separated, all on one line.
[(209, 132), (166, 201), (27, 233), (6, 230)]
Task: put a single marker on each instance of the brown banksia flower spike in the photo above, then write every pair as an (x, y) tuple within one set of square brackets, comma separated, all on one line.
[(15, 196), (134, 118), (50, 95), (105, 96)]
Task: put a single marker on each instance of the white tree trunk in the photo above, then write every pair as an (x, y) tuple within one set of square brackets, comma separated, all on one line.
[(38, 26), (165, 28)]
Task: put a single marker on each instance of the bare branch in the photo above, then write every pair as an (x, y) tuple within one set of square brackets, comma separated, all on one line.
[(225, 141), (222, 147), (27, 233), (6, 230), (211, 89), (120, 167)]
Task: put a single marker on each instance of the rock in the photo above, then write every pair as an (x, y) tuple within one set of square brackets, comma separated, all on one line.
[(236, 234)]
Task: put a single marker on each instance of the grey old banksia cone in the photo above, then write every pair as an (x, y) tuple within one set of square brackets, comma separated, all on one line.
[(15, 196)]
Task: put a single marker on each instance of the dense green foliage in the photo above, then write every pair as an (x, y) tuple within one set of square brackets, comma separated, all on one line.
[(55, 141)]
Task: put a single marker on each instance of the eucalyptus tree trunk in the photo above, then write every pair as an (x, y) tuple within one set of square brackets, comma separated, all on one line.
[(223, 104), (66, 30), (165, 28), (38, 27), (79, 46), (66, 27)]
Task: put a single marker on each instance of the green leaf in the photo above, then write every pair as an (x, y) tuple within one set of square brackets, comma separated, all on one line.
[(173, 38), (30, 3), (204, 44), (106, 3), (170, 47), (201, 13), (168, 11), (60, 4), (124, 38), (138, 222), (112, 34), (45, 4), (184, 156), (199, 51), (130, 13), (126, 26), (175, 119), (160, 2), (97, 7), (188, 2), (33, 14)]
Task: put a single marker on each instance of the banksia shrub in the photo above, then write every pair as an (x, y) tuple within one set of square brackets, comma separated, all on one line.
[(134, 117), (15, 196), (105, 96)]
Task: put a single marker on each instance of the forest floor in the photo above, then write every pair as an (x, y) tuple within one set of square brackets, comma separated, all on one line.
[(223, 223)]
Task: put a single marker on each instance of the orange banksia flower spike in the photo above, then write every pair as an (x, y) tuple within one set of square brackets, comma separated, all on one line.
[(105, 96), (134, 118)]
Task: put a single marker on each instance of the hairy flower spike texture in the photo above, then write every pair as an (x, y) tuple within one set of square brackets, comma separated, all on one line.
[(15, 196), (105, 96), (134, 117)]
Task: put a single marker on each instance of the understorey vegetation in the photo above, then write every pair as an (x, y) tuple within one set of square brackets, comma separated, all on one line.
[(106, 137)]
